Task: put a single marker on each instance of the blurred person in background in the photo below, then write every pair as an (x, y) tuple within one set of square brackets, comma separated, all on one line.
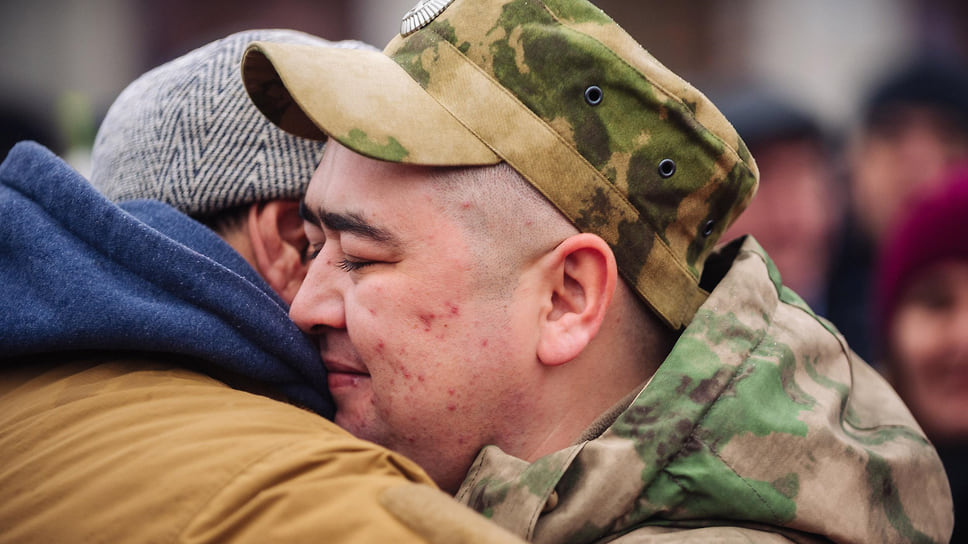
[(922, 319), (914, 126), (797, 210)]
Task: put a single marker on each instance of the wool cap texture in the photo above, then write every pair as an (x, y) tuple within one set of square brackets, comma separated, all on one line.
[(185, 133), (932, 230)]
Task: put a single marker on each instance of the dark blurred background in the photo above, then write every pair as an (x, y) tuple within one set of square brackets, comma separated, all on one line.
[(64, 61)]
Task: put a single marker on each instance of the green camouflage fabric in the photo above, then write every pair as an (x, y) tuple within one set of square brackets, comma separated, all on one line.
[(620, 144), (761, 425)]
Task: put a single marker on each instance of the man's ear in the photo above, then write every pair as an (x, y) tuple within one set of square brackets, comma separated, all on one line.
[(582, 275), (278, 244)]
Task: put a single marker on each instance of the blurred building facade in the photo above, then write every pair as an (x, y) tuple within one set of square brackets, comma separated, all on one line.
[(66, 60)]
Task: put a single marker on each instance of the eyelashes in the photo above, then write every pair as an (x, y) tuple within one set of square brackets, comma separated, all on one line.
[(311, 251), (348, 265)]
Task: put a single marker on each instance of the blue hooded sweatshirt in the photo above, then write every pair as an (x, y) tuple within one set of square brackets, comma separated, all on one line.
[(80, 273)]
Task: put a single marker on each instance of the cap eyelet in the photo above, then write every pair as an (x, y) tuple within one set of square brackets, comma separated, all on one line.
[(667, 167), (708, 228), (594, 95)]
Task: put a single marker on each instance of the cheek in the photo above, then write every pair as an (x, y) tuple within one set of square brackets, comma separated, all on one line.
[(916, 342), (427, 342), (404, 335)]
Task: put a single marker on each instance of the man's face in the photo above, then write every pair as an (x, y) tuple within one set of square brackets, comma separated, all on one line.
[(423, 356), (795, 213), (900, 157), (929, 345)]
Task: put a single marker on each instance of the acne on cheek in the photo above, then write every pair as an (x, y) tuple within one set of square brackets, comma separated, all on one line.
[(427, 320), (399, 369), (454, 397), (413, 386)]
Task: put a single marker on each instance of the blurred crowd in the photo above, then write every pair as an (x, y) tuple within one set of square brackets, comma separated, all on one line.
[(828, 202), (870, 229)]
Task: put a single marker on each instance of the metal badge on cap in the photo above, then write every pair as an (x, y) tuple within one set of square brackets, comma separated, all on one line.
[(421, 15)]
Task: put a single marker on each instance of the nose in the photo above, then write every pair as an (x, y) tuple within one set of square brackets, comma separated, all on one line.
[(319, 302)]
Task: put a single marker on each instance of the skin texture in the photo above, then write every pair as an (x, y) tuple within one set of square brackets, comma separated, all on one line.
[(929, 334), (271, 238), (382, 326), (446, 327)]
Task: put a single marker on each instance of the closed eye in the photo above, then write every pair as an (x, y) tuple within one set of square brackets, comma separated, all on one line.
[(349, 265)]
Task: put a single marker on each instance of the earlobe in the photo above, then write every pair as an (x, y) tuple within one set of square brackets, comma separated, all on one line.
[(278, 242), (582, 275)]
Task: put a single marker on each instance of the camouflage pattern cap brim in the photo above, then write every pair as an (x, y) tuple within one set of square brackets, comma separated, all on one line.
[(362, 99), (618, 143)]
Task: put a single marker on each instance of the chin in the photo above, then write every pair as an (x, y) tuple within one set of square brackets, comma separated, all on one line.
[(353, 422)]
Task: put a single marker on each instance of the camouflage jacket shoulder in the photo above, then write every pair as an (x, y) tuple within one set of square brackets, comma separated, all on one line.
[(761, 421)]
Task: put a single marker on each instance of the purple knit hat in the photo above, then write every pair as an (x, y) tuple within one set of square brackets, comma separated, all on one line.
[(935, 228)]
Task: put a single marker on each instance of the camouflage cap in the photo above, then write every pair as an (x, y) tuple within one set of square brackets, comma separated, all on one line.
[(621, 145)]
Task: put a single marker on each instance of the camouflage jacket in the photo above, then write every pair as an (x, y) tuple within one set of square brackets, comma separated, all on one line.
[(761, 425)]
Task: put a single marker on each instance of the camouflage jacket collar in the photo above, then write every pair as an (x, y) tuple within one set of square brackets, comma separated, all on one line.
[(760, 418)]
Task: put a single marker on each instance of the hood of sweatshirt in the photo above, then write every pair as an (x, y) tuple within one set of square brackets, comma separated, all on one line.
[(78, 273)]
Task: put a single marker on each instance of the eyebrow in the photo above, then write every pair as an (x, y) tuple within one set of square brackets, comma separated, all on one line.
[(306, 215), (349, 222)]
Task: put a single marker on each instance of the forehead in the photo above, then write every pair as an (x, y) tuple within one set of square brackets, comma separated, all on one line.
[(404, 201), (951, 274), (345, 177)]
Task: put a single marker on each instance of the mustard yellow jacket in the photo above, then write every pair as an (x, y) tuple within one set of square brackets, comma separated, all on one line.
[(142, 451)]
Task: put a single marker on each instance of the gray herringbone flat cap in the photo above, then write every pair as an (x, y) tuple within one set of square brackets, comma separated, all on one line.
[(186, 133)]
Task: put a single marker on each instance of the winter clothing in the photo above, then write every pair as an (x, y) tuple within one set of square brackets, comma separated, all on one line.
[(100, 448), (184, 133), (930, 231), (80, 273), (760, 424)]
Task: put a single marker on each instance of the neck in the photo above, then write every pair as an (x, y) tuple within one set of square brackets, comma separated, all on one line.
[(623, 356)]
